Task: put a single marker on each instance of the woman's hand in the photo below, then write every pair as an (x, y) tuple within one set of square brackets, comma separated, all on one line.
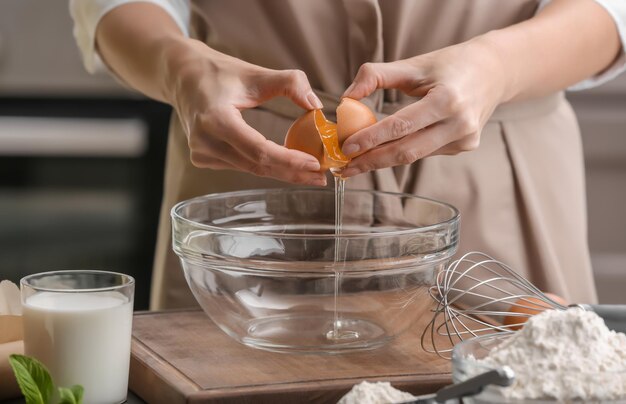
[(460, 87), (208, 89)]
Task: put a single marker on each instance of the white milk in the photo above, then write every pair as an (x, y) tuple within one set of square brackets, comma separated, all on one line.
[(83, 338)]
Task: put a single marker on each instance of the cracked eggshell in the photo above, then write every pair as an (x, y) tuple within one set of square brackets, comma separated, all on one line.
[(303, 135)]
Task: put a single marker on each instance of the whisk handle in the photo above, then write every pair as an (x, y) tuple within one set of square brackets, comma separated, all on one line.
[(614, 315)]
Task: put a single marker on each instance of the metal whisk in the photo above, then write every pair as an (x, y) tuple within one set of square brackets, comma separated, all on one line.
[(475, 293)]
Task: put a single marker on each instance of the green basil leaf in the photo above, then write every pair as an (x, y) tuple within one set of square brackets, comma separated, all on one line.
[(72, 395), (67, 396), (78, 393), (27, 384), (33, 378)]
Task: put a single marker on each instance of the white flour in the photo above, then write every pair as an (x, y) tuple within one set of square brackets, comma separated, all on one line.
[(564, 355), (375, 393)]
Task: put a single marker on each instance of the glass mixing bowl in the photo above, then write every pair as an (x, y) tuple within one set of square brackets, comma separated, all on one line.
[(464, 366), (261, 264)]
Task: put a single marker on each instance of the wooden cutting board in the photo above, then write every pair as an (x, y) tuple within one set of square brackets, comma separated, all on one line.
[(182, 357)]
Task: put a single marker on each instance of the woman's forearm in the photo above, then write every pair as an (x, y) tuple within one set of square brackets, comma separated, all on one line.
[(568, 41), (132, 39), (208, 90)]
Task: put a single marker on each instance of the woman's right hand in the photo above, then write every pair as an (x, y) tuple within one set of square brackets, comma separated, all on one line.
[(208, 90)]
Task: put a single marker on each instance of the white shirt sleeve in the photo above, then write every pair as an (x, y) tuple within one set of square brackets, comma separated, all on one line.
[(617, 10), (87, 14)]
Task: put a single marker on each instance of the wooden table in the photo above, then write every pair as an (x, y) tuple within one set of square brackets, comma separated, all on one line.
[(182, 357)]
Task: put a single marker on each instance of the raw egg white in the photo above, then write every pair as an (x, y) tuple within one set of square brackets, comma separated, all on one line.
[(312, 133)]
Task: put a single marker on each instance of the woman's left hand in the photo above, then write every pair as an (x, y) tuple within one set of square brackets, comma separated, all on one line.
[(460, 87)]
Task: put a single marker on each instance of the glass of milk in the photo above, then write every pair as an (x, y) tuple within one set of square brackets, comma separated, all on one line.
[(78, 324)]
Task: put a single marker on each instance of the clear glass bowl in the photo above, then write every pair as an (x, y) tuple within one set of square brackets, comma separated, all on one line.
[(262, 265), (464, 366)]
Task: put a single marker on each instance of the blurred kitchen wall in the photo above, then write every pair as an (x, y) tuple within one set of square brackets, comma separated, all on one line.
[(602, 116), (81, 160)]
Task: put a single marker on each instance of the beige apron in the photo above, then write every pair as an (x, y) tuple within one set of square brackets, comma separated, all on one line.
[(521, 194)]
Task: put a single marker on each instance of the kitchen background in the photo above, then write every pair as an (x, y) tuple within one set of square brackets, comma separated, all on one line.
[(81, 160)]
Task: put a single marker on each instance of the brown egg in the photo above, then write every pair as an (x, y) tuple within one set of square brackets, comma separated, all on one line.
[(352, 116), (312, 133), (533, 305)]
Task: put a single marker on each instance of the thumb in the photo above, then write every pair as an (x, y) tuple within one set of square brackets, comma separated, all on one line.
[(294, 85), (372, 76)]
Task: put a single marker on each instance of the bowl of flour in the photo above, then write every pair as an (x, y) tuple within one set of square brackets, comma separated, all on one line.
[(565, 356)]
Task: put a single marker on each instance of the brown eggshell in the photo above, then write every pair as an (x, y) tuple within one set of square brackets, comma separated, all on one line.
[(302, 135), (352, 116), (516, 322)]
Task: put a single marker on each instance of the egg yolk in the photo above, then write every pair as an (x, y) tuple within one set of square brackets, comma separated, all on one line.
[(328, 134)]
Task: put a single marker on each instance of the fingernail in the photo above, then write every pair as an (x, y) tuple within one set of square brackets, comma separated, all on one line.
[(350, 149), (314, 101), (349, 89), (312, 166), (349, 172), (319, 182)]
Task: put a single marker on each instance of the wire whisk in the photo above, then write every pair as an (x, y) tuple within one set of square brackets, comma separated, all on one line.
[(473, 295), (476, 294)]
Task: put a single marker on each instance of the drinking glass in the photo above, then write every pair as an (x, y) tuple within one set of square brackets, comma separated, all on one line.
[(78, 324)]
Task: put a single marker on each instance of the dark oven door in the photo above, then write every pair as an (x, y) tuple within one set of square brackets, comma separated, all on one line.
[(80, 185)]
